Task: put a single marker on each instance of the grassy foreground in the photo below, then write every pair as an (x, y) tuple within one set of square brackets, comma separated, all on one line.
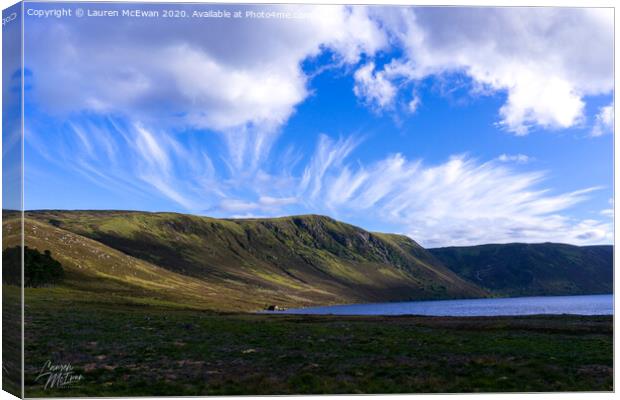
[(152, 350)]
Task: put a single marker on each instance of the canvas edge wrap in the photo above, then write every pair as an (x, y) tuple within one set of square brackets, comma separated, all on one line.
[(12, 201)]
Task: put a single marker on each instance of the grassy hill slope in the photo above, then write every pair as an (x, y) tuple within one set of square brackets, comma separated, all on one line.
[(519, 269), (238, 264), (97, 273)]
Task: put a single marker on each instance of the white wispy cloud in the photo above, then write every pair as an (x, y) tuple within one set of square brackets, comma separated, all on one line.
[(604, 121), (277, 201), (609, 212), (373, 88), (131, 158), (457, 202), (517, 158), (414, 103), (328, 154)]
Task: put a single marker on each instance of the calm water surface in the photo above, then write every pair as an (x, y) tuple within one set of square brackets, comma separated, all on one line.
[(582, 305)]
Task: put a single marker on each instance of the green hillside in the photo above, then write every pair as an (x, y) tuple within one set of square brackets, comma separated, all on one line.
[(247, 264), (220, 264), (519, 269)]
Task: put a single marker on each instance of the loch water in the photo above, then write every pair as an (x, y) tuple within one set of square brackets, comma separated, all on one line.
[(578, 305)]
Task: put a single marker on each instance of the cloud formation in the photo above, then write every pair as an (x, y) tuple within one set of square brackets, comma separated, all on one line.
[(373, 87), (181, 73), (546, 60), (517, 158), (604, 121), (131, 93), (461, 201)]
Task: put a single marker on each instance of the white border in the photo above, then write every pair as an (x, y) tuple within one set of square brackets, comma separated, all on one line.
[(485, 3)]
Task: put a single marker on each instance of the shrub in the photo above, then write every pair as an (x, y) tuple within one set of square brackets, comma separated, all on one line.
[(40, 269)]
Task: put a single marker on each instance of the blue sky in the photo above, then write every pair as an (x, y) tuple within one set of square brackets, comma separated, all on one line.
[(453, 126)]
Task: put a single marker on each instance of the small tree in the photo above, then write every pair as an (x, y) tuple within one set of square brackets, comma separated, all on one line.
[(40, 269), (12, 265)]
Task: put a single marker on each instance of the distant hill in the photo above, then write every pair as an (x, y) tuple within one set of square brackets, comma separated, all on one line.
[(519, 269), (235, 264)]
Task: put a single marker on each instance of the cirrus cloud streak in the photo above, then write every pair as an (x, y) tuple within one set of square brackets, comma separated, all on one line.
[(458, 202)]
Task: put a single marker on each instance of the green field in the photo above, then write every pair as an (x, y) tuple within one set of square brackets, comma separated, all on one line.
[(151, 350)]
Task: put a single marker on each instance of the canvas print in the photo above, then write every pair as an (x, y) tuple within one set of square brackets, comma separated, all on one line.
[(268, 199)]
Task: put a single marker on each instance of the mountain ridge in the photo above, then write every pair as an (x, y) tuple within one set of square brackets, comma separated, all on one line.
[(244, 264), (289, 261)]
